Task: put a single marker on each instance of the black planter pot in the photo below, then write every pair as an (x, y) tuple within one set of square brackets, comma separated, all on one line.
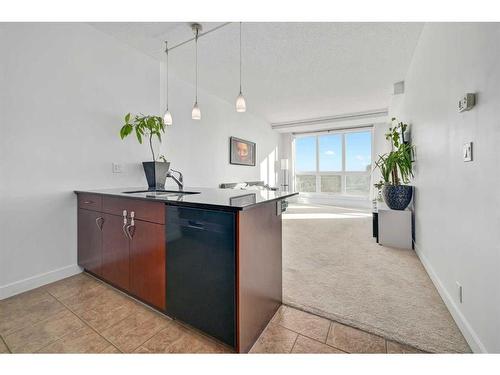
[(156, 174), (397, 197)]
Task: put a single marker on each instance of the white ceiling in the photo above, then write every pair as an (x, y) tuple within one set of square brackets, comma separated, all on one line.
[(291, 71)]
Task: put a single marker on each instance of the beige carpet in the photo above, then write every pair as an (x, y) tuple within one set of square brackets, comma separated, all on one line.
[(334, 268)]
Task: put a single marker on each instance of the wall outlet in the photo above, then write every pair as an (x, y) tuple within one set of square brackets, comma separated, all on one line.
[(467, 102), (117, 168), (460, 292), (467, 151)]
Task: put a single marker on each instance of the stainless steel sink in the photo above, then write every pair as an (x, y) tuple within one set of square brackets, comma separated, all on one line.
[(161, 193)]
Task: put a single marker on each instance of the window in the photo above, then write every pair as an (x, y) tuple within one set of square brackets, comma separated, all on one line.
[(305, 149), (334, 163)]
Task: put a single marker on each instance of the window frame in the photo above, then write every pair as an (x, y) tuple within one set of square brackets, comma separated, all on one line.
[(343, 173)]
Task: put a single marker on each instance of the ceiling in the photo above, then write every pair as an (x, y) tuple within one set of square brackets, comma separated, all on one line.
[(291, 71)]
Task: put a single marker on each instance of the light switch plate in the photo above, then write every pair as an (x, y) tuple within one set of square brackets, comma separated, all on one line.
[(467, 102), (467, 151), (117, 168)]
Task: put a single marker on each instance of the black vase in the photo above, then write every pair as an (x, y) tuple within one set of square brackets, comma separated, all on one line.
[(397, 197), (156, 174)]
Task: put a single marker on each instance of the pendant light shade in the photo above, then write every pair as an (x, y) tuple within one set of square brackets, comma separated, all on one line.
[(196, 113), (241, 105), (167, 116)]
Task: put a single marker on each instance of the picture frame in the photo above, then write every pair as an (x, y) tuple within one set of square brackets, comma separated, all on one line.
[(242, 152)]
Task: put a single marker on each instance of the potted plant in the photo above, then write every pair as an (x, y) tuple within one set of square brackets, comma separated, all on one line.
[(396, 169), (148, 127)]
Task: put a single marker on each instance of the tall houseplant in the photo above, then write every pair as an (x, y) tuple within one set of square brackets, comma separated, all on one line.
[(148, 127), (396, 168)]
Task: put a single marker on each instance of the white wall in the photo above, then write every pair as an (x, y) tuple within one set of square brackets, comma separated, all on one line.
[(64, 91), (457, 204)]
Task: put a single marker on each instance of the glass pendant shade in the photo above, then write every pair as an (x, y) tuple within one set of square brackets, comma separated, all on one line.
[(241, 105), (167, 118), (196, 113)]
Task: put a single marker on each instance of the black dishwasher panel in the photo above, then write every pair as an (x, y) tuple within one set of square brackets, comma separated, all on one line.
[(201, 270)]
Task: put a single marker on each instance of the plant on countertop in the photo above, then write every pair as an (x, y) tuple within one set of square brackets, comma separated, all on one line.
[(144, 126), (396, 166)]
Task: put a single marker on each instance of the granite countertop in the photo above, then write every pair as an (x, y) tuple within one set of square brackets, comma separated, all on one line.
[(229, 199)]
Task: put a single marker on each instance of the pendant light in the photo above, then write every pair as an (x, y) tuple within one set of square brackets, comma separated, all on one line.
[(241, 105), (167, 116), (196, 113)]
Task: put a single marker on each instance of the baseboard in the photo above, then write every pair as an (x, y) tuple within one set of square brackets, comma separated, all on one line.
[(36, 281), (470, 335)]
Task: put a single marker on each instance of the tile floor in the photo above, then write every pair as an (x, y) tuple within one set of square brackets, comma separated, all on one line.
[(83, 315)]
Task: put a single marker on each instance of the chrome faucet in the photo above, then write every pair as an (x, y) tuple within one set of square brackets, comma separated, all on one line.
[(178, 180)]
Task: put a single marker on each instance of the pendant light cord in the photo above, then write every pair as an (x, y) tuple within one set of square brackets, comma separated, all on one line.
[(196, 41), (166, 51), (240, 57)]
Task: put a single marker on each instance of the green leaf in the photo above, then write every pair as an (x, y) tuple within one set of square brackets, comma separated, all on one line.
[(138, 134), (127, 118), (126, 130)]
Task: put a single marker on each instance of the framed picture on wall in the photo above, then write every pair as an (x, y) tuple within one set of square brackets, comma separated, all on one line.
[(241, 152)]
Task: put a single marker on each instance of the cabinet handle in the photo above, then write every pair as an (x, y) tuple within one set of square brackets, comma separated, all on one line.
[(99, 223), (130, 235), (88, 202), (125, 223), (195, 224), (131, 225)]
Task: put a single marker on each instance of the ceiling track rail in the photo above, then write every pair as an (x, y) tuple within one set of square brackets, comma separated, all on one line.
[(327, 131), (199, 36), (328, 119)]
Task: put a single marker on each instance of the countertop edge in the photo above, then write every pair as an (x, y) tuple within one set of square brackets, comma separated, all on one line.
[(188, 204)]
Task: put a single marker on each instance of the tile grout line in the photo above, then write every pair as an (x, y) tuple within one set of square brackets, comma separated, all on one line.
[(347, 325), (84, 323), (328, 335), (37, 323), (5, 343), (139, 303), (331, 323), (30, 324), (119, 292), (295, 342), (149, 308)]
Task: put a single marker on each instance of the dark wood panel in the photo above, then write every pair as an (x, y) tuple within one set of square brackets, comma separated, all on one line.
[(144, 210), (90, 240), (90, 201), (259, 272), (147, 263), (115, 252)]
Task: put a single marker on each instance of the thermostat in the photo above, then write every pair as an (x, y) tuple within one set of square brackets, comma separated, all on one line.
[(467, 102)]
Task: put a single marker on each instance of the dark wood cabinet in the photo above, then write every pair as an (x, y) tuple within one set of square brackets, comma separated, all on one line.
[(115, 252), (132, 260), (147, 263), (90, 224), (259, 271)]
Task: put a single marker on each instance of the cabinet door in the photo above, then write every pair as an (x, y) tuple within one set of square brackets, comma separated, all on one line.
[(90, 240), (147, 263), (115, 252)]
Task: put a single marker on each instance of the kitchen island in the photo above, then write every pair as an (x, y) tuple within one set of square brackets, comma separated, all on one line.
[(211, 258)]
